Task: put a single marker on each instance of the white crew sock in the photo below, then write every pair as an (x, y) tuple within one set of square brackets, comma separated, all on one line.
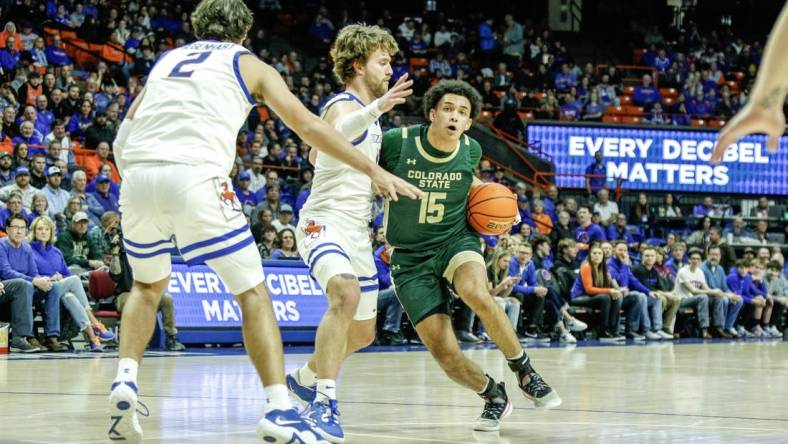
[(277, 398), (326, 389), (306, 376), (127, 370)]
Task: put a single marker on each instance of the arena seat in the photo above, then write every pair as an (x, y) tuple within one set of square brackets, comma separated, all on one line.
[(697, 122), (631, 120), (610, 119), (716, 123), (625, 100), (418, 62), (525, 115), (669, 92)]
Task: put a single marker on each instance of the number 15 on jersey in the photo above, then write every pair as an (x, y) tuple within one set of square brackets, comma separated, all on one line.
[(431, 211)]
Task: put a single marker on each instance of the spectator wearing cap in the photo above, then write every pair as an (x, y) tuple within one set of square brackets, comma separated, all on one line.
[(18, 262), (244, 192), (30, 90), (22, 186), (99, 131), (106, 170), (285, 219), (108, 94), (103, 196), (89, 203), (82, 254), (37, 166), (6, 174), (13, 206), (56, 196)]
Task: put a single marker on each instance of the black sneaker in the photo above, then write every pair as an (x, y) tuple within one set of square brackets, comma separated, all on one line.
[(496, 407), (173, 344), (535, 389)]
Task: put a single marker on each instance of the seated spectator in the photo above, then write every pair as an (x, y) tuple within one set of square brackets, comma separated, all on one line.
[(40, 207), (761, 209), (439, 63), (264, 219), (669, 207), (510, 122), (28, 135), (699, 105), (647, 274), (776, 288), (594, 288), (285, 219), (106, 170), (643, 307), (271, 201), (20, 186), (99, 131), (6, 173), (51, 264), (728, 255), (740, 281), (63, 148), (738, 232), (388, 304), (586, 232), (88, 202), (680, 116), (565, 79), (63, 218), (594, 109), (17, 261), (676, 261), (724, 309), (656, 116), (646, 94), (606, 208), (760, 236), (19, 294), (287, 247), (530, 295), (694, 292), (618, 231), (107, 200), (37, 171), (700, 236), (710, 209), (9, 55), (13, 207), (244, 193), (80, 121), (607, 92), (82, 254), (544, 225), (563, 229), (500, 284), (94, 164)]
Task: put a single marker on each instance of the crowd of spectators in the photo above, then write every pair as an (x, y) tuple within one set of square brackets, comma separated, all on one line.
[(60, 118)]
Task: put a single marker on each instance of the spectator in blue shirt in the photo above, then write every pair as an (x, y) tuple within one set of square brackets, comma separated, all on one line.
[(643, 307), (17, 261), (13, 206), (586, 232), (80, 121), (388, 305), (29, 136), (661, 62), (526, 289), (55, 54), (599, 172), (699, 105), (9, 56), (724, 309), (646, 94), (107, 200), (740, 281), (618, 231), (677, 260), (44, 117)]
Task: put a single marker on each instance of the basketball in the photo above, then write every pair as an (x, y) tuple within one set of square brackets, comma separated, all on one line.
[(492, 209)]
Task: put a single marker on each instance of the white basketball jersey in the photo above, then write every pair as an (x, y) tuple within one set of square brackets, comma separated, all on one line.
[(195, 103), (341, 189)]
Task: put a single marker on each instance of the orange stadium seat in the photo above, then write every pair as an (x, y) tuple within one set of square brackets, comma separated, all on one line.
[(68, 35), (525, 115), (669, 92), (418, 62), (610, 119), (697, 122), (625, 100), (716, 123), (631, 119), (629, 90), (537, 95), (668, 101), (499, 94), (112, 54)]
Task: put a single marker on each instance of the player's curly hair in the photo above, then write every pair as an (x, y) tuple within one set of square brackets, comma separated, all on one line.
[(226, 20), (458, 87), (355, 43)]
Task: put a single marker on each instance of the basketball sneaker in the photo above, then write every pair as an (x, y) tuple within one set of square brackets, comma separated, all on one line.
[(534, 387), (323, 416), (124, 424), (304, 393), (286, 426), (496, 407), (100, 330)]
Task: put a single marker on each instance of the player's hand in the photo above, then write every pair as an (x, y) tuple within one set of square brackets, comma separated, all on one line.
[(753, 118), (396, 95), (390, 185)]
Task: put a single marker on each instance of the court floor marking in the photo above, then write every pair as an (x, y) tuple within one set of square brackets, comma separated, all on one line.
[(404, 404), (506, 422)]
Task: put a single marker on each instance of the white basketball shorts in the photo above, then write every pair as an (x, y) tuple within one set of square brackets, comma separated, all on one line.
[(169, 205), (330, 248)]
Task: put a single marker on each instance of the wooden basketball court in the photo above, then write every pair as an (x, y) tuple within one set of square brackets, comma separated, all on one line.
[(701, 392)]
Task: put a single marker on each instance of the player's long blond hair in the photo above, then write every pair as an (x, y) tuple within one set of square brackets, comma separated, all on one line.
[(355, 43)]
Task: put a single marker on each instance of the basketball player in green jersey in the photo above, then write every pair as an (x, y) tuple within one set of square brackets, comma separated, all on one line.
[(435, 249)]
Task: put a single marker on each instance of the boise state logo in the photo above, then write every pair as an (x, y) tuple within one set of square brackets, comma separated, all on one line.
[(583, 237)]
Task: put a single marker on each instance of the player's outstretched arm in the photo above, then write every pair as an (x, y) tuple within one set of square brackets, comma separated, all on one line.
[(266, 84), (763, 112)]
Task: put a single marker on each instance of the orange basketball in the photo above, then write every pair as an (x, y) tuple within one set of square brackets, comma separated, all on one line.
[(492, 209)]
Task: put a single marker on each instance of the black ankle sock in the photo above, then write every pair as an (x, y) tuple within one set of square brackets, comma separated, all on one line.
[(489, 389), (521, 364)]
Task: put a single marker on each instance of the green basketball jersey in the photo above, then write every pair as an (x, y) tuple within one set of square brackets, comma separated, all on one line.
[(445, 179)]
